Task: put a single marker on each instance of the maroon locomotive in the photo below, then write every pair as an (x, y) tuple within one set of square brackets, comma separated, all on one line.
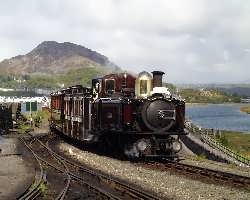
[(135, 114)]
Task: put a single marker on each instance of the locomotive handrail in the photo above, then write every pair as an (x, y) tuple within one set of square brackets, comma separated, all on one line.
[(204, 135)]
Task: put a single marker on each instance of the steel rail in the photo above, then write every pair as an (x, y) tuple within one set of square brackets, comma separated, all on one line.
[(232, 178), (74, 176), (62, 194), (35, 189), (130, 190), (78, 178)]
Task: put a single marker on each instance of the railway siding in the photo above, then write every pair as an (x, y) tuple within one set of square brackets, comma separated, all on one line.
[(200, 142), (35, 189), (100, 185), (165, 183), (195, 144)]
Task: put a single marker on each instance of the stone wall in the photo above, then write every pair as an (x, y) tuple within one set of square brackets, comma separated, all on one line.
[(200, 148)]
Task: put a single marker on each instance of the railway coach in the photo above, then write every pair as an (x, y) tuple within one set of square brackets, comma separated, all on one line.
[(134, 114), (9, 114)]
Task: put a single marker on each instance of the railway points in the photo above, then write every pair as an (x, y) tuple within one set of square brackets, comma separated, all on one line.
[(102, 185)]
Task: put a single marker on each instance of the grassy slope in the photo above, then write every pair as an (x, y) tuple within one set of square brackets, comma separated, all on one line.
[(72, 77), (239, 142)]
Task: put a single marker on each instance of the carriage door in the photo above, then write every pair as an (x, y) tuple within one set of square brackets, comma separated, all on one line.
[(86, 117)]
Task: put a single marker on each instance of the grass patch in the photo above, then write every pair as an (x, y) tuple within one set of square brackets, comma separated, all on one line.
[(245, 109), (39, 117), (200, 157), (24, 128), (43, 187), (237, 141)]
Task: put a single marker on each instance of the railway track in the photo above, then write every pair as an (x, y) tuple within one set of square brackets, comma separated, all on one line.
[(124, 188), (35, 189), (101, 185), (202, 173), (65, 169)]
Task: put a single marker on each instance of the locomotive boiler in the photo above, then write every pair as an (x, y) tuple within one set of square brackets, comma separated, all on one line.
[(135, 114)]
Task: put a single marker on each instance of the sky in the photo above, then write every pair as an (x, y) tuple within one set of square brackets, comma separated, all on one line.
[(192, 41)]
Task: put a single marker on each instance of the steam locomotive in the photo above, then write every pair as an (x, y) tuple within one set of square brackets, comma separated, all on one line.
[(135, 114)]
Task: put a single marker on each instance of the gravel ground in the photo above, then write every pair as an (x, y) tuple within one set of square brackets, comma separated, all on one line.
[(16, 174), (166, 184)]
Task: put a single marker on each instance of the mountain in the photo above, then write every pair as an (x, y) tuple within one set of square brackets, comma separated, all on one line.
[(247, 81), (51, 57), (241, 91), (52, 65)]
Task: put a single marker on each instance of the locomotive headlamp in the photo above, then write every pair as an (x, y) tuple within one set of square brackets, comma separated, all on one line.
[(176, 146), (142, 145), (125, 79), (109, 115)]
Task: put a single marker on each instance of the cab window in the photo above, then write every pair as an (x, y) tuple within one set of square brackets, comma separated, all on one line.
[(143, 86), (110, 85)]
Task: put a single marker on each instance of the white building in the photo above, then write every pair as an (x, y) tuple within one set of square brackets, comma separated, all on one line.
[(27, 102)]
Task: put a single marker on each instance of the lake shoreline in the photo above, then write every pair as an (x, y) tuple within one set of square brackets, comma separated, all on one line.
[(245, 109), (226, 103), (219, 116)]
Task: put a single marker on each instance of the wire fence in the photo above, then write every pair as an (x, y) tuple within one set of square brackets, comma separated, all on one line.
[(205, 135)]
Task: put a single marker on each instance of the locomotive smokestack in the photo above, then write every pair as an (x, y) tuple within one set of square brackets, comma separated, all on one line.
[(157, 78)]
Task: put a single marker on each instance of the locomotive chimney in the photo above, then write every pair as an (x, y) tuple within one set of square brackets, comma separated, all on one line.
[(157, 78)]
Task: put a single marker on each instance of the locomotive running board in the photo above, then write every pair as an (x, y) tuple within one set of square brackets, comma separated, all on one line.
[(91, 138), (161, 156), (155, 133)]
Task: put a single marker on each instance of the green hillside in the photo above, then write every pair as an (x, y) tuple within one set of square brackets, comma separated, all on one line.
[(208, 96), (72, 77)]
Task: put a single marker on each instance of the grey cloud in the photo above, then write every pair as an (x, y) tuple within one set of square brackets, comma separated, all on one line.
[(193, 41)]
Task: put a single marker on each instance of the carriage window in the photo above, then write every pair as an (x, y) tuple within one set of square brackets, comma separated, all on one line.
[(110, 85), (143, 86)]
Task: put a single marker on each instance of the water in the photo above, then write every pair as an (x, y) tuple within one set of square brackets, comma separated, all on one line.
[(219, 116)]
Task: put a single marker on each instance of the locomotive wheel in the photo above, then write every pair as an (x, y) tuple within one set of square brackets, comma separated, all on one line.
[(154, 119)]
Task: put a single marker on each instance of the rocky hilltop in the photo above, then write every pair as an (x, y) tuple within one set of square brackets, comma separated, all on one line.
[(53, 57), (52, 64)]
